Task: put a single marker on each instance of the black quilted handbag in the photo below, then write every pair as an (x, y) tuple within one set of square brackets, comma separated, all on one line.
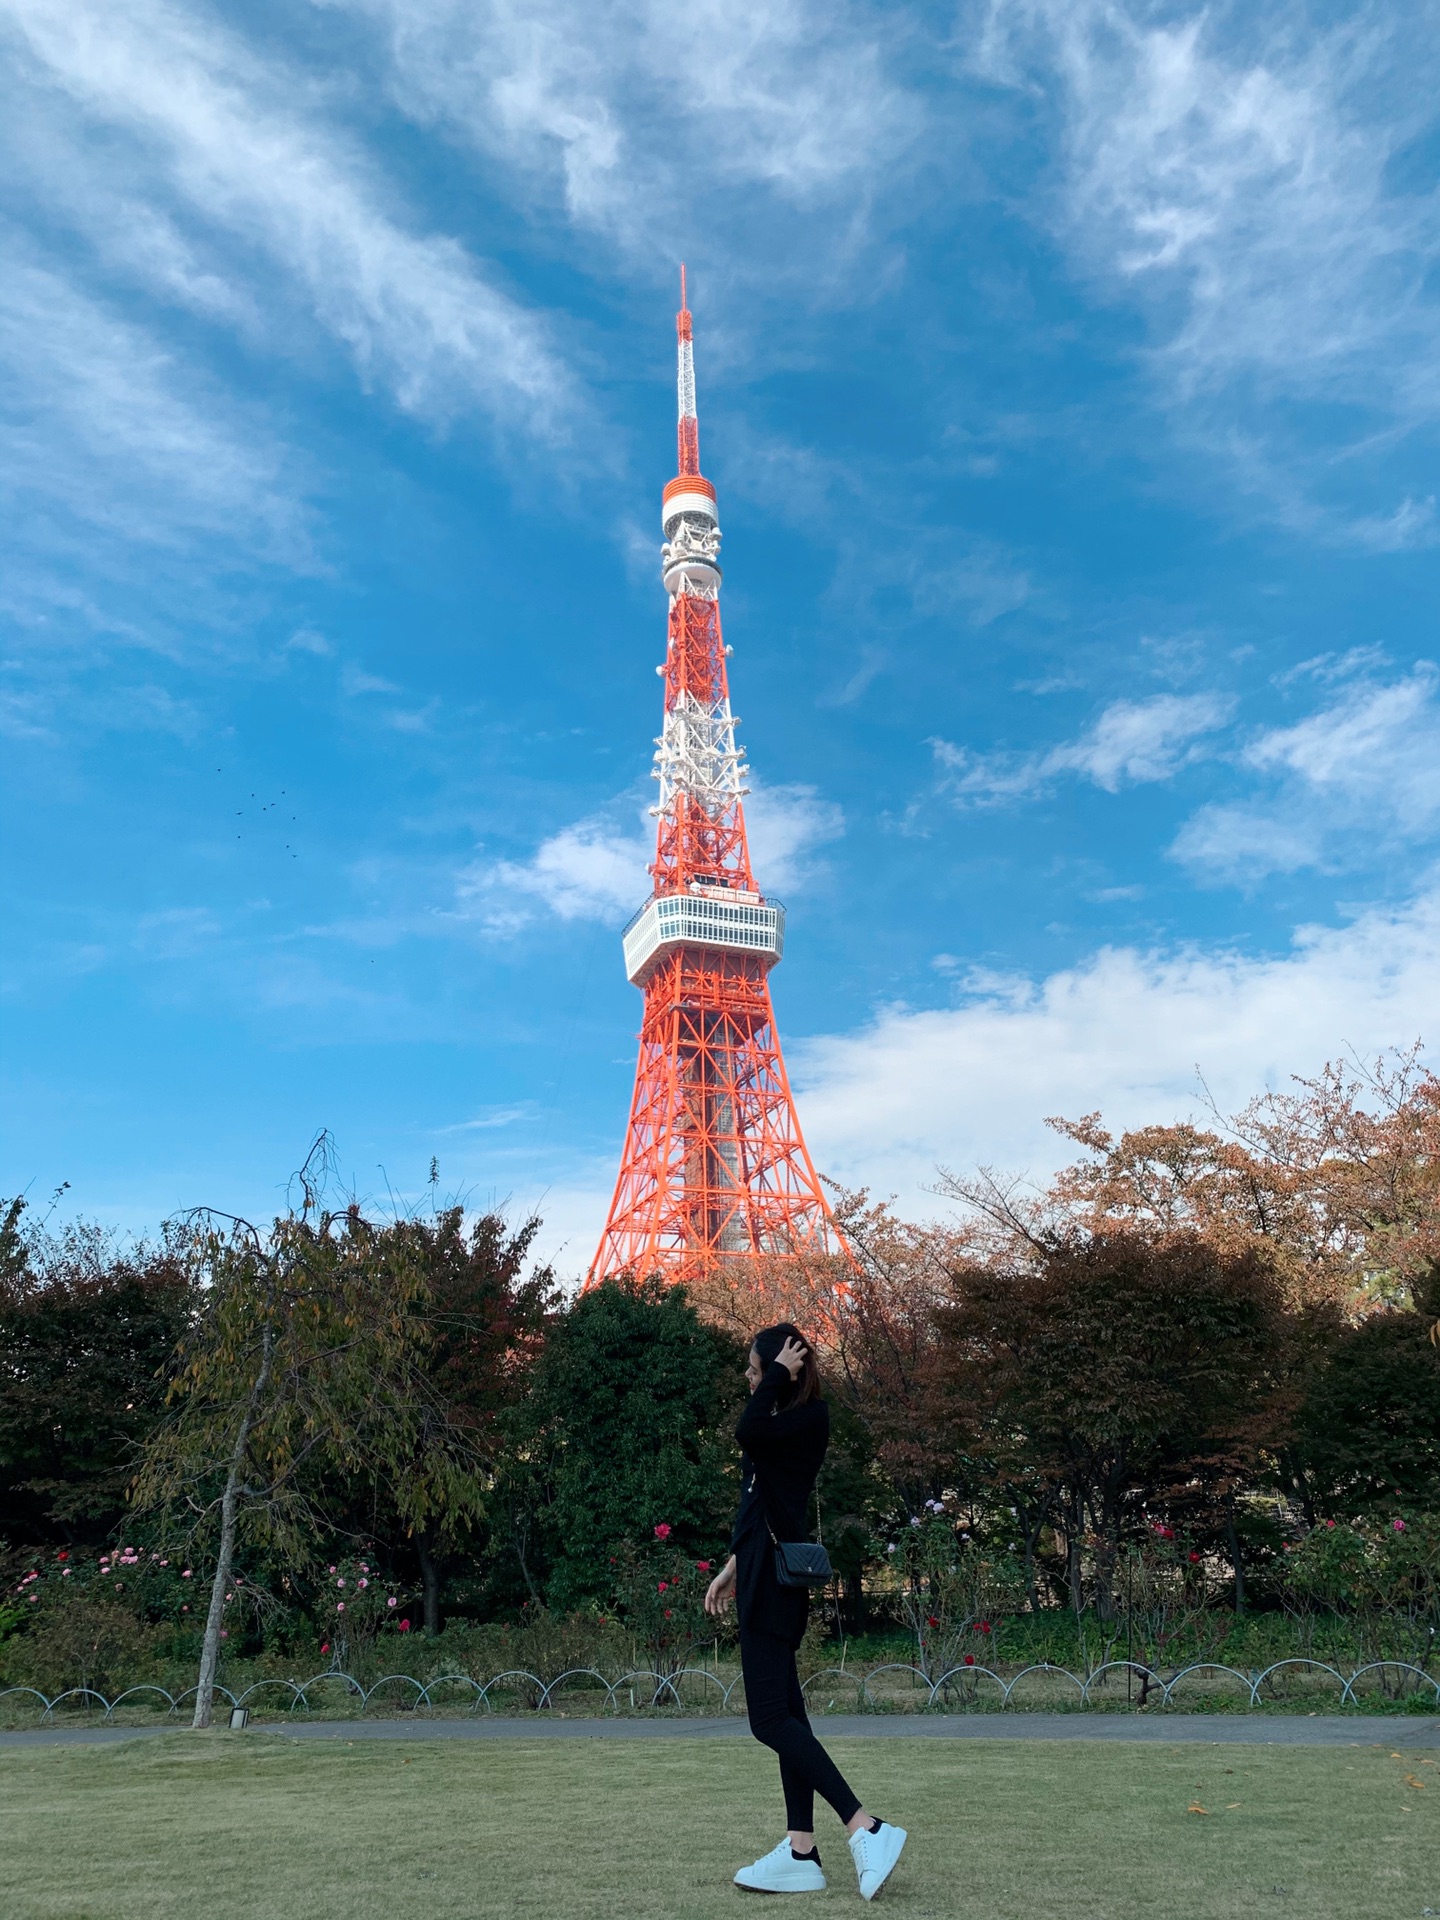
[(801, 1563)]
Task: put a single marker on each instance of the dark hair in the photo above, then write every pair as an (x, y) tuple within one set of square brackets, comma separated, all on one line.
[(767, 1344)]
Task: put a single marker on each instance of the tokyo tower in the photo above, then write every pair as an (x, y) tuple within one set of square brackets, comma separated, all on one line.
[(714, 1168)]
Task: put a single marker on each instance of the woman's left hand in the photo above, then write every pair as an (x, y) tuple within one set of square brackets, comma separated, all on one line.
[(792, 1357)]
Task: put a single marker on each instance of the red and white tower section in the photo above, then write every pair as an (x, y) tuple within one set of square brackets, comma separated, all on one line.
[(714, 1169)]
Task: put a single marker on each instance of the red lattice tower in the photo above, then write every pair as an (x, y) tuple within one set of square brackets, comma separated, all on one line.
[(714, 1168)]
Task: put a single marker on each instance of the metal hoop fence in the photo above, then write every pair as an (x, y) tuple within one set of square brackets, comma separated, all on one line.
[(664, 1689)]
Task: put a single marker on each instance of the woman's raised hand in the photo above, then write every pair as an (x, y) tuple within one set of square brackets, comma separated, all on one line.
[(792, 1357), (721, 1590)]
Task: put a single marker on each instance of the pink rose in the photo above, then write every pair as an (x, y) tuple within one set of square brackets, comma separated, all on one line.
[(391, 1601)]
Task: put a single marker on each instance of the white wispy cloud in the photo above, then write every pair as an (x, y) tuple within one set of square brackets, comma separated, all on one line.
[(131, 483), (643, 128), (1233, 165), (593, 870), (204, 168), (102, 421), (786, 824), (1362, 772), (1124, 1031), (596, 869), (1131, 743), (1238, 175), (1412, 524)]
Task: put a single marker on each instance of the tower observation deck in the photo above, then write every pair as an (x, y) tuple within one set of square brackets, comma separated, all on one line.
[(714, 1168)]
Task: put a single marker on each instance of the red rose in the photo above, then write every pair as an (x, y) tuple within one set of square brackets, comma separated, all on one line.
[(1193, 1558), (662, 1586), (667, 1613), (702, 1566), (404, 1626), (931, 1621), (969, 1659), (984, 1626), (662, 1532)]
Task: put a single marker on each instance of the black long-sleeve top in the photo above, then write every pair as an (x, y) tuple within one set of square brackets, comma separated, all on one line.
[(782, 1454)]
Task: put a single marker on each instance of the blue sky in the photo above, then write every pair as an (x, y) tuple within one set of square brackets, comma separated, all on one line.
[(1068, 372)]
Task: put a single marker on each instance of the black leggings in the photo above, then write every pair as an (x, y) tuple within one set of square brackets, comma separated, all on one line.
[(777, 1718)]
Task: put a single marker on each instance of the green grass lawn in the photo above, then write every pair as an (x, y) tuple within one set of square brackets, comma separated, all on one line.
[(256, 1826)]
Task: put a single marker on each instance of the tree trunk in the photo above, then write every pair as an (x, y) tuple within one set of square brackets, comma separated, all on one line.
[(1074, 1532), (1232, 1540), (229, 1512), (429, 1577), (1032, 1539)]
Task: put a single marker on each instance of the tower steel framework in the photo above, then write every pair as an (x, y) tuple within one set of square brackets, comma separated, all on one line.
[(714, 1168)]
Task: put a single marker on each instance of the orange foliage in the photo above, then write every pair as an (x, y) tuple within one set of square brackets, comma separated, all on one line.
[(1338, 1182)]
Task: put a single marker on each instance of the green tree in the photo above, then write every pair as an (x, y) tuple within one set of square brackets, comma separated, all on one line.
[(308, 1364), (629, 1426), (86, 1337)]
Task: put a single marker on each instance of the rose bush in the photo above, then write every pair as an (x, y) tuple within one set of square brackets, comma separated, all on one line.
[(659, 1594)]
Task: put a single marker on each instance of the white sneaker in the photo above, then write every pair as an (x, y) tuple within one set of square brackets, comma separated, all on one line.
[(781, 1872), (875, 1855)]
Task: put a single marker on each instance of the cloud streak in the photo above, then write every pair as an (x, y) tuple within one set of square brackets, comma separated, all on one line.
[(1132, 742), (214, 155), (595, 108), (1361, 773), (1239, 177)]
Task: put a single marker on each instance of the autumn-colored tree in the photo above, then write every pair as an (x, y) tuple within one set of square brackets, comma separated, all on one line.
[(1339, 1181), (484, 1318), (883, 1348), (1115, 1375), (870, 1314)]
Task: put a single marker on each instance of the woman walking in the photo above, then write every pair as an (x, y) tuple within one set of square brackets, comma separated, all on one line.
[(783, 1434)]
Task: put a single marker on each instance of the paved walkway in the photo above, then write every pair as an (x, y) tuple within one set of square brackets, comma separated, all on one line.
[(1310, 1730)]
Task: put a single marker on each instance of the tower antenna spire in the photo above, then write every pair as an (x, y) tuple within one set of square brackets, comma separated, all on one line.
[(714, 1169), (688, 429)]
